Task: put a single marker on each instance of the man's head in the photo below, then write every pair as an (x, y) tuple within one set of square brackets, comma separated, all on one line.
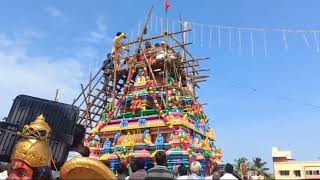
[(121, 34), (195, 167), (78, 135), (139, 163), (147, 44), (228, 168), (183, 170), (133, 166), (122, 169), (118, 33), (31, 157), (21, 170), (215, 175), (84, 151), (163, 44), (175, 170), (161, 158)]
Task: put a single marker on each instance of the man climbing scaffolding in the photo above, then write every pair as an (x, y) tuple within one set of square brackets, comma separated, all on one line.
[(117, 43), (118, 46)]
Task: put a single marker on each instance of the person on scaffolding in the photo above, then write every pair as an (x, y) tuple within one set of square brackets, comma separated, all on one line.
[(161, 52), (118, 45), (150, 54), (107, 64)]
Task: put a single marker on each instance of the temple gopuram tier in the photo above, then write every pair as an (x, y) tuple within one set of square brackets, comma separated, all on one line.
[(143, 100)]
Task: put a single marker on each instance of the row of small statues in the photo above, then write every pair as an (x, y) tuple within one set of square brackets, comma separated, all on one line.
[(176, 139)]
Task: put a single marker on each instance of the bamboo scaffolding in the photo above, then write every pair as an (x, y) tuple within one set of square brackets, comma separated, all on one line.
[(182, 68)]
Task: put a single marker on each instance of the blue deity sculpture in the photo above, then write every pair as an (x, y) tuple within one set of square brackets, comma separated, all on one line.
[(182, 132), (192, 139), (159, 142), (199, 137), (207, 127), (97, 137), (211, 143), (107, 146), (142, 121), (196, 124), (124, 122), (145, 132), (115, 138), (175, 109), (202, 127)]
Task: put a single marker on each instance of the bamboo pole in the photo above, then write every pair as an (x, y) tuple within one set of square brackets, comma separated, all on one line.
[(197, 59), (56, 95), (157, 37)]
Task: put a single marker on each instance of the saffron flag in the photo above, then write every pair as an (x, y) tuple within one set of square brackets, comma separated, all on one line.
[(166, 5)]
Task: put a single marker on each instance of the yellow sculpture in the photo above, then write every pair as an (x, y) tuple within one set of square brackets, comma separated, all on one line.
[(147, 139), (185, 118), (196, 141), (211, 133), (205, 144), (144, 104), (85, 168), (33, 148), (128, 140), (170, 120), (140, 81)]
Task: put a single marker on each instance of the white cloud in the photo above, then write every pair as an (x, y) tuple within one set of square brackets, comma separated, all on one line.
[(31, 34), (37, 76), (87, 54), (100, 24), (101, 32), (96, 36), (53, 11)]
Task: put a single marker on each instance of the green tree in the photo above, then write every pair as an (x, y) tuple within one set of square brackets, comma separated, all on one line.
[(259, 167), (237, 163)]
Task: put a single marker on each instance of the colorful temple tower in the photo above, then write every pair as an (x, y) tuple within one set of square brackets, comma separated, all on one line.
[(143, 100)]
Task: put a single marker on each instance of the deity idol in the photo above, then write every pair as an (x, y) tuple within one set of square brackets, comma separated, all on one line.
[(31, 157)]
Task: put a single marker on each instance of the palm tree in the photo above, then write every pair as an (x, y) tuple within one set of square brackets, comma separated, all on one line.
[(259, 167), (239, 161)]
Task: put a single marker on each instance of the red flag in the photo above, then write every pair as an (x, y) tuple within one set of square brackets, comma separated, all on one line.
[(166, 5)]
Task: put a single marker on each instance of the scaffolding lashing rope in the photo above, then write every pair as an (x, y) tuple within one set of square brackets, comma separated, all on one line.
[(167, 23), (285, 39), (219, 37), (210, 37), (173, 28), (201, 36), (138, 29), (305, 39), (156, 31), (230, 39), (316, 39), (265, 43), (131, 36), (252, 45), (186, 26), (151, 28), (161, 25), (239, 43), (194, 33)]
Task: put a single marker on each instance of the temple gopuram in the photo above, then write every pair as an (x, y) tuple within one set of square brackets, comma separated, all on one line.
[(143, 99)]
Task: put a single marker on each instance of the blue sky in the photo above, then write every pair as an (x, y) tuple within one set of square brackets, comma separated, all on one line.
[(255, 102)]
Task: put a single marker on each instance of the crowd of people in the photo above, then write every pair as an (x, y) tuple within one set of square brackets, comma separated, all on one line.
[(137, 169), (160, 170)]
